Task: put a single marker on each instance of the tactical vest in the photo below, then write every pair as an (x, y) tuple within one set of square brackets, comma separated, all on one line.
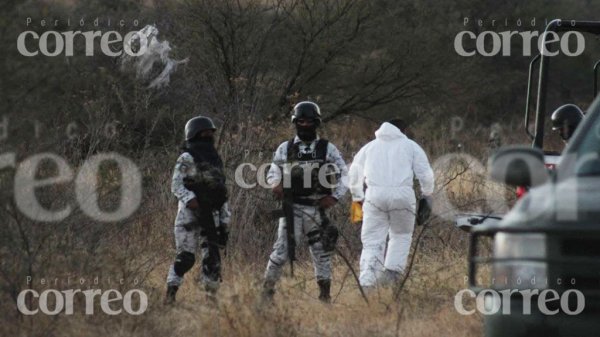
[(308, 162), (208, 184)]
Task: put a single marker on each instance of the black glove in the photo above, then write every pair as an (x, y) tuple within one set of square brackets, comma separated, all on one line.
[(222, 235), (424, 210)]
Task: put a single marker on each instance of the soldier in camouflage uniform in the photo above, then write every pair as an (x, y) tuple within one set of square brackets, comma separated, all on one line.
[(203, 213), (307, 151)]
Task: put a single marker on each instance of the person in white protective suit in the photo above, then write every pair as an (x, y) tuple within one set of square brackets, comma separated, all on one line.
[(381, 178)]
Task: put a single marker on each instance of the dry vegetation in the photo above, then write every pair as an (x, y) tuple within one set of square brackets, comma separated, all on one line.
[(363, 61), (142, 248)]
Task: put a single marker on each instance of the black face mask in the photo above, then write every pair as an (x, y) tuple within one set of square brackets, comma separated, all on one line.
[(207, 139), (566, 131), (203, 150), (306, 134)]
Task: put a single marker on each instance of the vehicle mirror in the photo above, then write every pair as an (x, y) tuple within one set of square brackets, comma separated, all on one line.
[(518, 166)]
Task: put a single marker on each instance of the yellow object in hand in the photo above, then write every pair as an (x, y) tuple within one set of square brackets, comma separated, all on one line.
[(356, 214)]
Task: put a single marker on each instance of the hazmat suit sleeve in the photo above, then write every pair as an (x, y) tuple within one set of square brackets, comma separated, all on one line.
[(335, 157), (423, 170), (357, 175), (274, 174), (183, 167)]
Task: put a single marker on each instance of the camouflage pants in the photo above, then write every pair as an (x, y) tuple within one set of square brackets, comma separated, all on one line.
[(188, 240), (307, 222)]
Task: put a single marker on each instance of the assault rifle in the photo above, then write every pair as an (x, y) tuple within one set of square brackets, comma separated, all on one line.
[(287, 205)]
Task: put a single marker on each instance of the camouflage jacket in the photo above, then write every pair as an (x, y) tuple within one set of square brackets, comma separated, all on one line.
[(186, 170)]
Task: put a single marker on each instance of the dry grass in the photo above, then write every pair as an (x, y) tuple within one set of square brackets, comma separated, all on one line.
[(142, 247), (424, 309)]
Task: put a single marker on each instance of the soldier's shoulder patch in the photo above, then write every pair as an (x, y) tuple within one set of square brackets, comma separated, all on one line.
[(184, 163), (186, 158)]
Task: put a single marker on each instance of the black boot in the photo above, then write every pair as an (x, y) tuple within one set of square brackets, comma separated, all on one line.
[(171, 291), (325, 289)]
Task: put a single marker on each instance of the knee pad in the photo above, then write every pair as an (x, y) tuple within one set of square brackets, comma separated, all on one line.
[(183, 262)]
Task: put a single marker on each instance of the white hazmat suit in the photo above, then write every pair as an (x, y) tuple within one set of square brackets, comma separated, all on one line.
[(387, 166)]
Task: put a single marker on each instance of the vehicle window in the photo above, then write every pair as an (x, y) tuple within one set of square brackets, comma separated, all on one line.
[(588, 151)]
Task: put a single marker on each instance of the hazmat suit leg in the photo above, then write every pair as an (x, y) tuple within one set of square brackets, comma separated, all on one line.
[(373, 236), (402, 223)]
